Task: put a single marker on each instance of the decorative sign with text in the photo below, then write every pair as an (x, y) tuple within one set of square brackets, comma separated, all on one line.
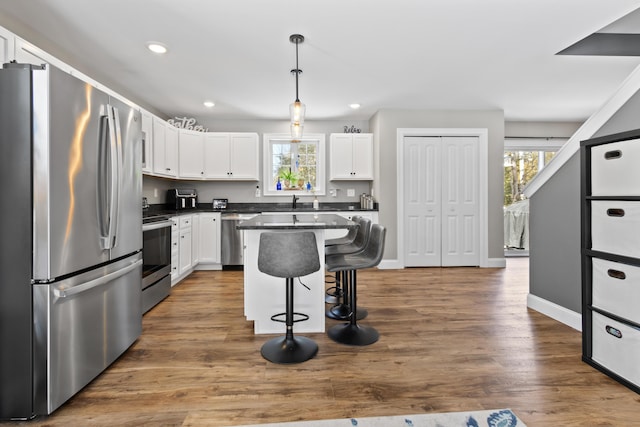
[(187, 123)]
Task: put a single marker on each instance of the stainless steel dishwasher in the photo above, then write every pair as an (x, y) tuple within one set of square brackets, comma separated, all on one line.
[(231, 240)]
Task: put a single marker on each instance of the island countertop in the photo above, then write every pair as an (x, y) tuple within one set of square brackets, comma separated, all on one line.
[(296, 222)]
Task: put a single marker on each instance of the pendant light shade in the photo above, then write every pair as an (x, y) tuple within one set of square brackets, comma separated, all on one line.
[(297, 109)]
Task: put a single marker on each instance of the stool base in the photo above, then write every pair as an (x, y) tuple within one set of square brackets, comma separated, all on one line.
[(351, 334), (342, 312), (289, 350)]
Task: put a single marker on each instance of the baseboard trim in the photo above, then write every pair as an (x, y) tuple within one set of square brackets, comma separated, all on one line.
[(395, 264), (495, 263), (390, 264), (555, 311)]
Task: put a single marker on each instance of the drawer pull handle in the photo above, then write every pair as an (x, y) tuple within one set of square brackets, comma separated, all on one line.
[(617, 212), (612, 155), (613, 331), (616, 274)]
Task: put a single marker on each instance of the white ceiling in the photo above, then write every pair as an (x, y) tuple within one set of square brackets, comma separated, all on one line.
[(413, 54)]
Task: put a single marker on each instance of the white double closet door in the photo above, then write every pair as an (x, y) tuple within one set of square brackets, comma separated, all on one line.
[(441, 202)]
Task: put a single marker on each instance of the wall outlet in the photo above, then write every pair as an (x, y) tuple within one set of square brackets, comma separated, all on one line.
[(155, 192), (257, 191), (351, 192)]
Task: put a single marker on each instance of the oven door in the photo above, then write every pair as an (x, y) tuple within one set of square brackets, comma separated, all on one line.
[(156, 252)]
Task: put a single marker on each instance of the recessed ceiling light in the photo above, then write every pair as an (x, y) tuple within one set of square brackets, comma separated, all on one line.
[(354, 106), (209, 104), (156, 47)]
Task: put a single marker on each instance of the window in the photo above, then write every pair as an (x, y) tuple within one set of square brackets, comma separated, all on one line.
[(523, 159), (298, 167)]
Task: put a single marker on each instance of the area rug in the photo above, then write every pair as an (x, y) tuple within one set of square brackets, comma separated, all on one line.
[(490, 418)]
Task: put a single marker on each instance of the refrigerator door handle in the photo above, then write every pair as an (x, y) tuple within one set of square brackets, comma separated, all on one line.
[(111, 184), (75, 290), (117, 178)]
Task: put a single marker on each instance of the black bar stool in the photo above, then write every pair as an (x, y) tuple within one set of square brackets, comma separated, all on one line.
[(302, 259), (340, 310), (334, 293), (352, 333)]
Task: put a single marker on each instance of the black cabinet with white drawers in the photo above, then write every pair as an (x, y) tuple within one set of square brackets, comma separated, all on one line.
[(610, 186)]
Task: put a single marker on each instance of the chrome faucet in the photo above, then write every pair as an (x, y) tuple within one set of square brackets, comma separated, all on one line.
[(294, 203)]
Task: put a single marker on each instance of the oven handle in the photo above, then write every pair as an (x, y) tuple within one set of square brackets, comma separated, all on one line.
[(156, 225)]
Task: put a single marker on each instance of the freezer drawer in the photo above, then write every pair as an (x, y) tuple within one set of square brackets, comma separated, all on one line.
[(616, 288), (616, 346), (614, 169), (82, 324), (615, 227)]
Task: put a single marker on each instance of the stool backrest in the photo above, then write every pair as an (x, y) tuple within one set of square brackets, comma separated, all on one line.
[(364, 231), (375, 248), (288, 254)]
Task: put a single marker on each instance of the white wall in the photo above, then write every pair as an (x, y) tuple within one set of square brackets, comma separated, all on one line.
[(384, 125)]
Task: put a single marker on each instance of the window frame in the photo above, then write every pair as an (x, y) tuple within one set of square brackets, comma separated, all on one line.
[(267, 154)]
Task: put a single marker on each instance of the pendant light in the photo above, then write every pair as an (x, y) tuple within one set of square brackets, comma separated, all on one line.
[(297, 109)]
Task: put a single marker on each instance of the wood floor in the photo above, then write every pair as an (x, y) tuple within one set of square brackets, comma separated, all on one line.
[(452, 339)]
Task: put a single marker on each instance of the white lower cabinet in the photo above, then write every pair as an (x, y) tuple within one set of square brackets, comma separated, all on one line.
[(209, 239), (186, 262), (175, 250)]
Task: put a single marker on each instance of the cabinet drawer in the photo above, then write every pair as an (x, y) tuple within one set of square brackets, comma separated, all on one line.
[(616, 288), (185, 222), (614, 169), (615, 227), (616, 347)]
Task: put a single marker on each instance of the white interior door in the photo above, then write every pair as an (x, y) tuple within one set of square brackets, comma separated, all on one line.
[(460, 207), (422, 194), (441, 206)]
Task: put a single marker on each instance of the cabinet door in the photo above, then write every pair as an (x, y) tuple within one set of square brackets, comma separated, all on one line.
[(171, 150), (185, 251), (147, 142), (216, 156), (341, 156), (6, 45), (191, 149), (159, 144), (195, 240), (362, 155), (209, 238), (244, 156)]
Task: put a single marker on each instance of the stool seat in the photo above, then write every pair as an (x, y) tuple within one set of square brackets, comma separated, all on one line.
[(288, 255), (352, 333)]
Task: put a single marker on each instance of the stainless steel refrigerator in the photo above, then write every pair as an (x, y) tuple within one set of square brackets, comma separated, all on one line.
[(70, 236)]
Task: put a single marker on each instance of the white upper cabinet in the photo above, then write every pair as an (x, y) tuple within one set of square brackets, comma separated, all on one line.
[(231, 156), (191, 154), (351, 156), (147, 141), (7, 43), (165, 148)]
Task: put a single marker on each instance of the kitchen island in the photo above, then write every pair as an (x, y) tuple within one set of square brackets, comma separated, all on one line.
[(264, 295)]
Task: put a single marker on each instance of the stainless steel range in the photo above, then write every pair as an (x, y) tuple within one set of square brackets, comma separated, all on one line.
[(156, 254)]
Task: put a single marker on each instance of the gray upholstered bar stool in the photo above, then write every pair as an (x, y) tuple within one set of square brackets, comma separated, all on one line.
[(302, 259), (340, 309), (334, 293), (352, 333)]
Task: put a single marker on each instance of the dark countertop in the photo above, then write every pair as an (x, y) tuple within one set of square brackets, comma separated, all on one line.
[(301, 221), (166, 210)]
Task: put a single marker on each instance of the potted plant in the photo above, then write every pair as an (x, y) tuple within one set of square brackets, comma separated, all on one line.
[(289, 177)]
